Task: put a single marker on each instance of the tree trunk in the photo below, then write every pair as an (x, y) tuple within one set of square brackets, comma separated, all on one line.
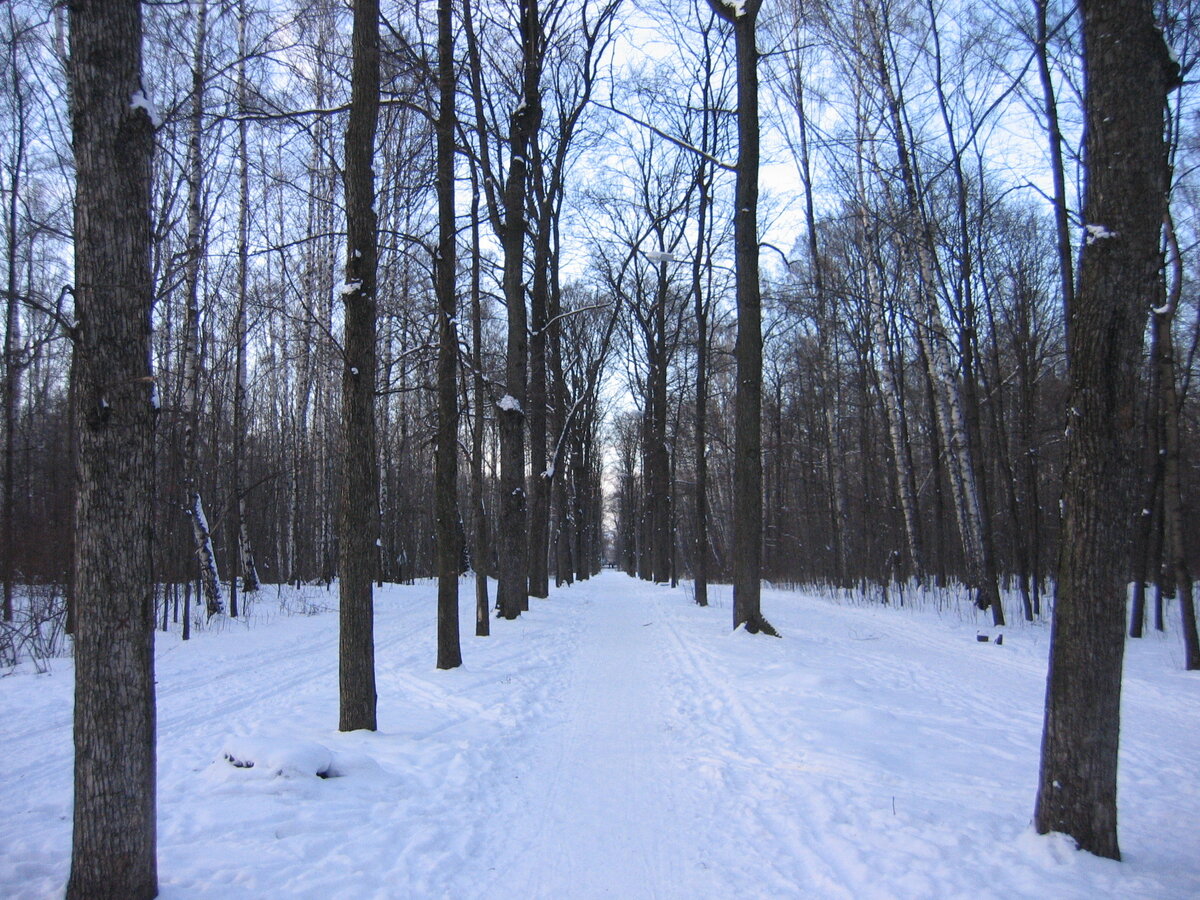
[(1143, 542), (193, 365), (449, 653), (701, 311), (657, 458), (1054, 136), (12, 345), (559, 425), (747, 512), (73, 389), (113, 840), (542, 472), (1173, 506), (1128, 72), (481, 550), (245, 552), (358, 530), (512, 592)]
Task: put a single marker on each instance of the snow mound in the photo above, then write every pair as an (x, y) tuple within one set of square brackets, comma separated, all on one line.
[(280, 757)]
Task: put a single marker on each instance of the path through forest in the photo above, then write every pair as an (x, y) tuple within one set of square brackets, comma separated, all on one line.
[(617, 741), (616, 807)]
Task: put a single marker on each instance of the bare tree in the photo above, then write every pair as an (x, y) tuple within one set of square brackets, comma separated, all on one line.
[(244, 550), (748, 512), (1173, 500), (507, 214), (206, 555), (449, 654), (113, 841), (358, 519), (480, 545), (13, 363), (1128, 73)]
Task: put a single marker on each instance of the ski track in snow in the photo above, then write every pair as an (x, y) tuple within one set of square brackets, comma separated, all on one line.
[(617, 741)]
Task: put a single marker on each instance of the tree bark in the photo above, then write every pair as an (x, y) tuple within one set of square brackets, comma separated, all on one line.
[(113, 840), (1173, 504), (1144, 559), (512, 591), (449, 653), (542, 472), (657, 457), (245, 551), (1127, 72), (12, 342), (700, 307), (481, 550), (748, 504), (358, 531)]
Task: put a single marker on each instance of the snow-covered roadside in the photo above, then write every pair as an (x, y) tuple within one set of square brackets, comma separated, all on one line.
[(618, 741), (901, 754)]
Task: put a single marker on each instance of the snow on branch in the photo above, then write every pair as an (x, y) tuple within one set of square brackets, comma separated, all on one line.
[(140, 100), (683, 145)]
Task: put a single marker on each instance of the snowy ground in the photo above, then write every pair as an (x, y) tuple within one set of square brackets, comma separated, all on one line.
[(618, 741)]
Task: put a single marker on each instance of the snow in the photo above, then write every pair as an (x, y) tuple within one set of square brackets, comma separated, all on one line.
[(277, 757), (141, 100), (1097, 233), (509, 403), (154, 403), (349, 287), (617, 741)]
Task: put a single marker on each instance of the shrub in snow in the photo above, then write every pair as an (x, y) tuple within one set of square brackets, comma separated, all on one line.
[(280, 757)]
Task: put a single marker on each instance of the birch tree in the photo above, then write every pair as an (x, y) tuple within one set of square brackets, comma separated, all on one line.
[(244, 552), (206, 556)]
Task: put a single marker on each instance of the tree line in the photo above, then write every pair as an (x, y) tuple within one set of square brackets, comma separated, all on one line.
[(913, 340)]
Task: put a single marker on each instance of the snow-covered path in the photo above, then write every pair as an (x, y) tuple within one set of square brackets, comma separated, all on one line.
[(617, 741), (614, 805)]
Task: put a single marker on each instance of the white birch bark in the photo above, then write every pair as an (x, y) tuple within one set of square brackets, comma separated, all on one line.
[(192, 366)]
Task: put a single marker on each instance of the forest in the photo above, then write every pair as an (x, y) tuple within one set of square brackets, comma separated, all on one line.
[(911, 418), (794, 293)]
